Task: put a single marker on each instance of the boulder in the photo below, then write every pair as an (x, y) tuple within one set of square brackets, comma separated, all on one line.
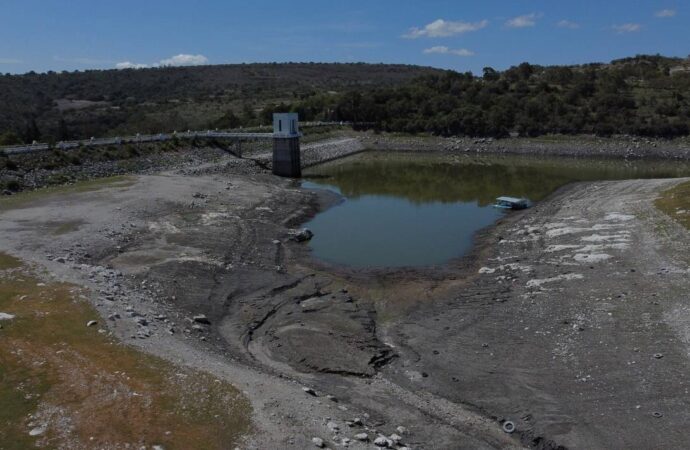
[(302, 235), (383, 442)]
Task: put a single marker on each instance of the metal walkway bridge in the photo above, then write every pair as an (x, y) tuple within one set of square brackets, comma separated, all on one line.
[(148, 138)]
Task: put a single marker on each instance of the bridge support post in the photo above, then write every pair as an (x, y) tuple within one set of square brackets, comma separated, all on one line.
[(286, 146)]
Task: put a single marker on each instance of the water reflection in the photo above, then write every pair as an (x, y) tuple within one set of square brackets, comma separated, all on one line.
[(405, 209)]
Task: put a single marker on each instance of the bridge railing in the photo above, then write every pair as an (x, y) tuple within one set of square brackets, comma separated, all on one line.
[(147, 138)]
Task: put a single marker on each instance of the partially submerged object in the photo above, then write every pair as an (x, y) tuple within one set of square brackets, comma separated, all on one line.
[(512, 203)]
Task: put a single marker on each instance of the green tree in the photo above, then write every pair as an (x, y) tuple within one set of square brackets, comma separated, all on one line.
[(10, 138)]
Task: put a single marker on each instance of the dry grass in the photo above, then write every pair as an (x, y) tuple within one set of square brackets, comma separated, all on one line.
[(676, 203), (92, 392)]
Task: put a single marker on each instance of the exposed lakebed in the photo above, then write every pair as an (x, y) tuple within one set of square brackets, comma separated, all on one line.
[(407, 209)]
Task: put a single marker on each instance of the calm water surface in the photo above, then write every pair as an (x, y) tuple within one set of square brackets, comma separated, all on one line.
[(403, 209)]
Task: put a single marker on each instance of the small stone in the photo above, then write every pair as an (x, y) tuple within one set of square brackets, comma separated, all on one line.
[(318, 442), (91, 323), (332, 398), (37, 431), (402, 430), (658, 355), (200, 318), (362, 437), (357, 421), (333, 426), (395, 438), (5, 316), (309, 391)]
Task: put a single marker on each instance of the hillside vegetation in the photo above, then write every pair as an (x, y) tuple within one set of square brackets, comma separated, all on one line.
[(70, 105), (643, 96)]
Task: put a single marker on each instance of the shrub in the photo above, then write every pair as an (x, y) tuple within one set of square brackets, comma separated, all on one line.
[(13, 185)]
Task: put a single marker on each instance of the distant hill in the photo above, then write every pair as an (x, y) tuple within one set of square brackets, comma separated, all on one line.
[(100, 102), (646, 95)]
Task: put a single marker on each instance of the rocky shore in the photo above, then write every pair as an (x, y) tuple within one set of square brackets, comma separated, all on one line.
[(32, 171), (622, 147)]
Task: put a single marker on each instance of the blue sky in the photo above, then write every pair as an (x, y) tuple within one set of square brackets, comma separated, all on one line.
[(43, 35)]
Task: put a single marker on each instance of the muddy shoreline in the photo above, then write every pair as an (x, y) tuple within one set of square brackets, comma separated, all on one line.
[(535, 326)]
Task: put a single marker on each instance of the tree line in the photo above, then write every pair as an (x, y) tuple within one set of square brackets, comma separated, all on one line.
[(635, 96)]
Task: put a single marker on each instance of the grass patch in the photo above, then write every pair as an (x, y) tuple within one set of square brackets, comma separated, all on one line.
[(24, 199), (89, 391), (675, 203), (9, 262)]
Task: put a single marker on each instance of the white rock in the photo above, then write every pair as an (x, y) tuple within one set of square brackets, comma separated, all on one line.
[(318, 442), (333, 426), (401, 430), (92, 323), (37, 431), (362, 437), (5, 316), (383, 441), (309, 391)]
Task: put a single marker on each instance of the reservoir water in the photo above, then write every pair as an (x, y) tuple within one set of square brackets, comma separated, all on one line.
[(406, 209)]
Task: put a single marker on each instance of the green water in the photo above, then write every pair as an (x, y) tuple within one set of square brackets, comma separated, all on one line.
[(404, 209)]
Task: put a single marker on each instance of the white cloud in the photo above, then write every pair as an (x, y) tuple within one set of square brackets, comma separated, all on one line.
[(11, 61), (666, 13), (130, 65), (443, 50), (627, 28), (568, 24), (184, 60), (177, 60), (445, 28), (524, 21)]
